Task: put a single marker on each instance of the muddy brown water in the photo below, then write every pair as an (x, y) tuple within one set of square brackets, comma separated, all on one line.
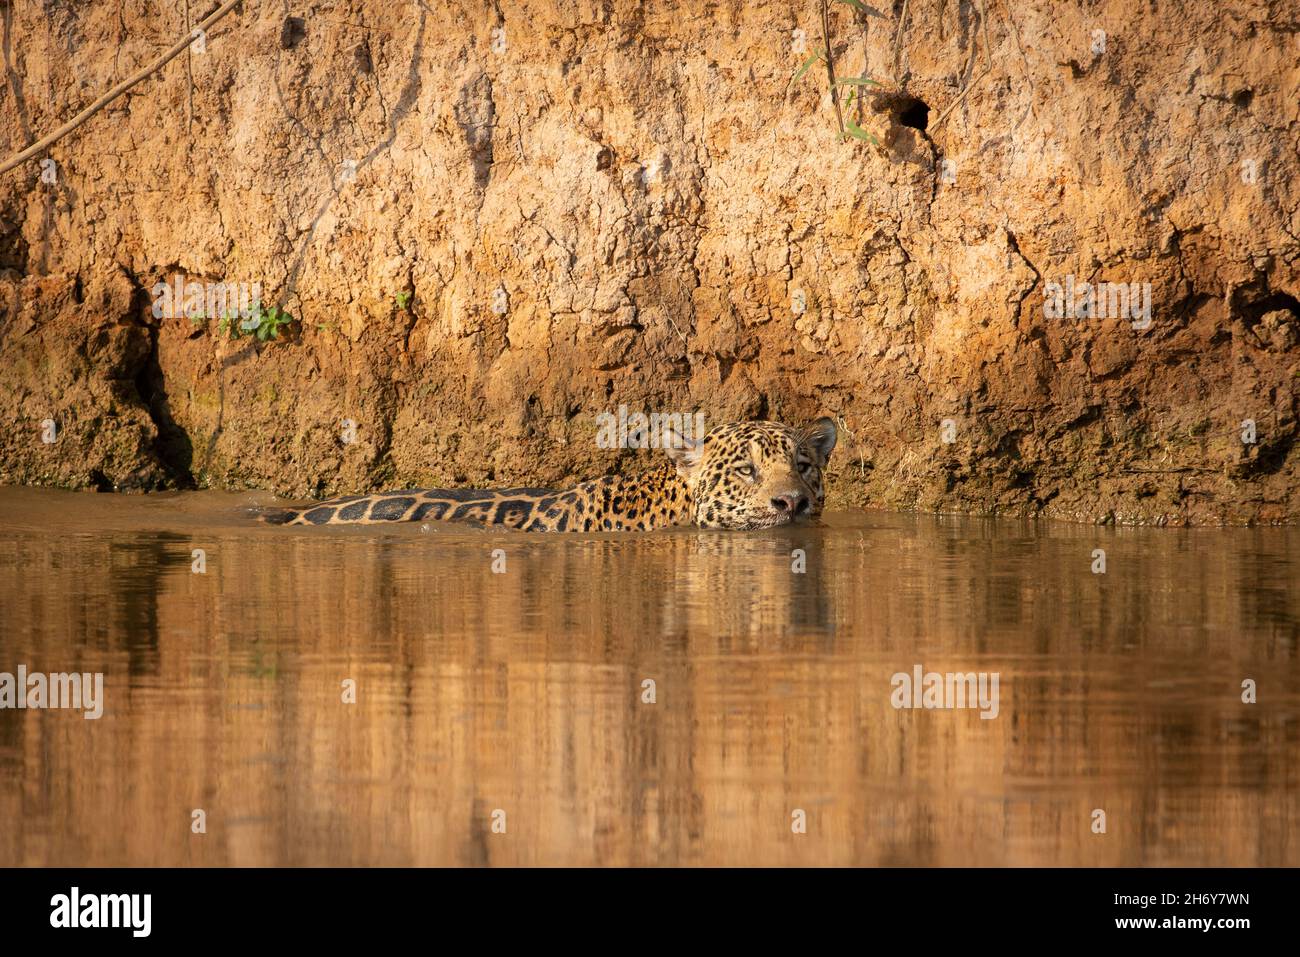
[(516, 699)]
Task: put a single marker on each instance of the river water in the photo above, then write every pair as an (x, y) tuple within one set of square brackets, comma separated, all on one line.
[(425, 695)]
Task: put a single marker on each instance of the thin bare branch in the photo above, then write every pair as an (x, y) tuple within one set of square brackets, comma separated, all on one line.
[(970, 84), (181, 45), (830, 65), (898, 47)]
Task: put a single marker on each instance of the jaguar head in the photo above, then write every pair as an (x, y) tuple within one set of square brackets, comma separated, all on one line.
[(750, 475)]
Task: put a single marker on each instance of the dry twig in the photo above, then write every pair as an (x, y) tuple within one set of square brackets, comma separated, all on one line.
[(181, 45), (830, 66), (988, 65)]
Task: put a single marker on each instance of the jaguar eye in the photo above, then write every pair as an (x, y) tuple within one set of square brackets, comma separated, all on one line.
[(746, 471), (805, 467)]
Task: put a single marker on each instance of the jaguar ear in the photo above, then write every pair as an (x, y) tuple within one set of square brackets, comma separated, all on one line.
[(821, 436), (684, 452)]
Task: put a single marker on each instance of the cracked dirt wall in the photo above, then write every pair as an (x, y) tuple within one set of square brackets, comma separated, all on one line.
[(492, 222)]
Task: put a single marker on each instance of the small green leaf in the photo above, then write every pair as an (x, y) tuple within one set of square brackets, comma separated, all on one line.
[(860, 133), (806, 65)]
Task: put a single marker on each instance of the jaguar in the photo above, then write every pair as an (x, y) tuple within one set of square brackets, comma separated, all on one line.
[(740, 475)]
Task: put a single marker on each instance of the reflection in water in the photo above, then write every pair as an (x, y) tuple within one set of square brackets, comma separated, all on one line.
[(523, 692)]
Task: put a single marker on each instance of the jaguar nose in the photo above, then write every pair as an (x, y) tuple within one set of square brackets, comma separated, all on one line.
[(792, 505)]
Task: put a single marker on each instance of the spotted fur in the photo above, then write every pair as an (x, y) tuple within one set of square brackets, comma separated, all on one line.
[(742, 475)]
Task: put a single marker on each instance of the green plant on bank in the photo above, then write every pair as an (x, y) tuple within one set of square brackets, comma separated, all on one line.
[(262, 323), (402, 299), (847, 126), (261, 669)]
